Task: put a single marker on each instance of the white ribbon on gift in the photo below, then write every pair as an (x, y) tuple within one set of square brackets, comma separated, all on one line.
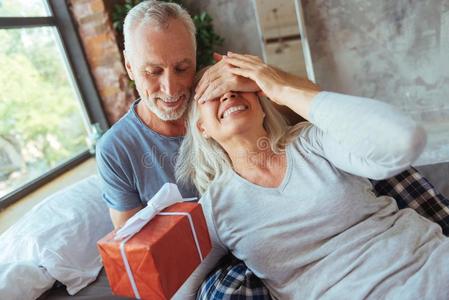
[(165, 197)]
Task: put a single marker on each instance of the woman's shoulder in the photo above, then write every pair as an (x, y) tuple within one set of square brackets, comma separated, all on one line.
[(305, 136), (299, 129), (219, 188)]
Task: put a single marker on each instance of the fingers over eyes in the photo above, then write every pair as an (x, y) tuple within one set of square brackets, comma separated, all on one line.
[(245, 57), (214, 90), (209, 76), (240, 63), (218, 79), (244, 73)]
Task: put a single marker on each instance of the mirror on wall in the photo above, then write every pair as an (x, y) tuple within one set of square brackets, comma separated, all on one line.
[(283, 36)]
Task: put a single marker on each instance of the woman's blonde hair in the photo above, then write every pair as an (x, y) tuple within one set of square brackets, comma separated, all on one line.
[(202, 160)]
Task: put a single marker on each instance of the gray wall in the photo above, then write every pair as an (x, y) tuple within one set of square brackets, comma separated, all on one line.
[(395, 51), (234, 20), (392, 50)]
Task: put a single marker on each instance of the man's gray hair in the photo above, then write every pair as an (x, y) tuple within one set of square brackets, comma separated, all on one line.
[(156, 13)]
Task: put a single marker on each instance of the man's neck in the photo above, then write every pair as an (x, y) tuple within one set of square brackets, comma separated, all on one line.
[(166, 128)]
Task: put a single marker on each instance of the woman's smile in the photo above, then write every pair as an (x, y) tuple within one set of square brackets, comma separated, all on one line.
[(232, 104), (233, 110)]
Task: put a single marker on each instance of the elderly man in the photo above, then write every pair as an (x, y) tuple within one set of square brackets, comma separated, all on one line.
[(137, 155)]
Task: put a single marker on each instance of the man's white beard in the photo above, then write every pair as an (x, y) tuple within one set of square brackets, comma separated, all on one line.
[(170, 114)]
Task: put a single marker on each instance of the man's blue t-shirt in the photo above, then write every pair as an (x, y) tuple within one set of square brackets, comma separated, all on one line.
[(134, 162)]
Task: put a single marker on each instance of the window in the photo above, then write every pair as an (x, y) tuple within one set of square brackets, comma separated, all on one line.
[(46, 121)]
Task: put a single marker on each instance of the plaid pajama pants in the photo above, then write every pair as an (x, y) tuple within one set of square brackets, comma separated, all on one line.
[(233, 280)]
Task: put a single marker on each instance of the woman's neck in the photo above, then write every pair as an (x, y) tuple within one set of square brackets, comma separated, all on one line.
[(253, 159)]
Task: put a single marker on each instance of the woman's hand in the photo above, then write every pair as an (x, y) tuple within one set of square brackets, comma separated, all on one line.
[(283, 88), (219, 79), (273, 82)]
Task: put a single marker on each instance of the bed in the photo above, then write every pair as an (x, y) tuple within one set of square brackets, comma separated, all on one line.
[(97, 290)]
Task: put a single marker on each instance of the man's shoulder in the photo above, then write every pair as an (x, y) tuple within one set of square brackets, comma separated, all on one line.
[(119, 135)]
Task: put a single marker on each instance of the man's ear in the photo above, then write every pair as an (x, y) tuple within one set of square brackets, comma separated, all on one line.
[(128, 66), (199, 126)]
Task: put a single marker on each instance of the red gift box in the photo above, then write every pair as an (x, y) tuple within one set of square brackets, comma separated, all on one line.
[(156, 261)]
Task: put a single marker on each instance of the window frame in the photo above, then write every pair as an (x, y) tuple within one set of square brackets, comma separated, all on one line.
[(61, 19)]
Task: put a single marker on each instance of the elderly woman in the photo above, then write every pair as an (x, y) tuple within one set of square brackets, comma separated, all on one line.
[(295, 203)]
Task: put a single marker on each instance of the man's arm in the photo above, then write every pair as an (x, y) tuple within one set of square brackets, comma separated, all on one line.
[(118, 190), (119, 218)]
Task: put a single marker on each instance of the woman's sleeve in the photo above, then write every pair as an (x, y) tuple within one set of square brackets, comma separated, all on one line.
[(363, 136)]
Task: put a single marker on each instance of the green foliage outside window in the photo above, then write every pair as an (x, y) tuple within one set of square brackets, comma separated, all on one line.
[(41, 124), (206, 38)]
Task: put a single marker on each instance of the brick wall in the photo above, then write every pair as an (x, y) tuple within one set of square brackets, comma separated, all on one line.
[(93, 22)]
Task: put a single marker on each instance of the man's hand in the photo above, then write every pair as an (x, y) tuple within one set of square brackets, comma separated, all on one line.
[(219, 79), (119, 218)]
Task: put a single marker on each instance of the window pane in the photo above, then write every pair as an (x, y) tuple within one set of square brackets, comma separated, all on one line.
[(42, 120), (24, 8)]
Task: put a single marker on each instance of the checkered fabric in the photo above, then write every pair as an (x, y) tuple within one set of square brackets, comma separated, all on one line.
[(411, 189), (233, 280)]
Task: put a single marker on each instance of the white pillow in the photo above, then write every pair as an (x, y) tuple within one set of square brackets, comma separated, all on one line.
[(23, 281), (60, 234)]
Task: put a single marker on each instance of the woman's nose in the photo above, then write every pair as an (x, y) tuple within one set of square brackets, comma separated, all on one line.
[(227, 96)]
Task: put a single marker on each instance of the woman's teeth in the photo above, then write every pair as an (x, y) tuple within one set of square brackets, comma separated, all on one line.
[(171, 100), (232, 110)]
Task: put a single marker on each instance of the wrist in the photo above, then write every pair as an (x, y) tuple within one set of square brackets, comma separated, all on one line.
[(291, 95), (280, 94), (299, 100)]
